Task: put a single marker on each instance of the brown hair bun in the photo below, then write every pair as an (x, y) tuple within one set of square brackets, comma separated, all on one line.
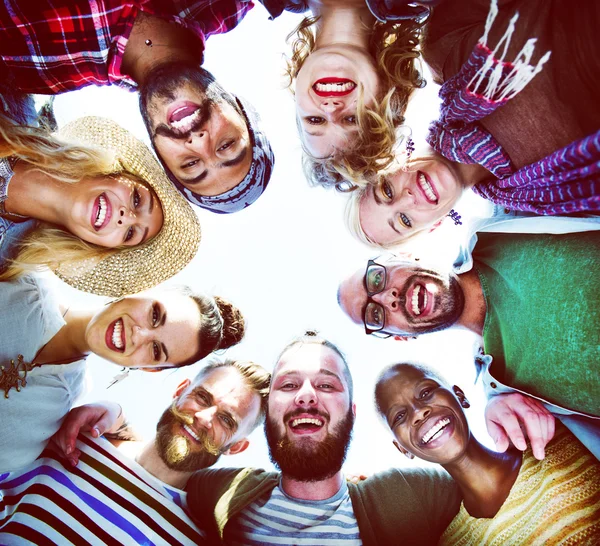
[(234, 325)]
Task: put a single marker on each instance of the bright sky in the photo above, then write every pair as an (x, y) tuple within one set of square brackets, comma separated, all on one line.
[(281, 259)]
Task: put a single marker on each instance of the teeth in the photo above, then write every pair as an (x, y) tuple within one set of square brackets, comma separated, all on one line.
[(187, 120), (191, 433), (117, 331), (426, 187), (101, 211), (334, 87), (305, 420), (415, 300), (436, 430)]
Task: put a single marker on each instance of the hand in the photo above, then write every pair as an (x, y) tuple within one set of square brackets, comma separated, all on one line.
[(93, 418), (508, 415), (355, 478)]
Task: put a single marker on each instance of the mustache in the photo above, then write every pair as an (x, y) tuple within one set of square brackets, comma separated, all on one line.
[(203, 119), (207, 443)]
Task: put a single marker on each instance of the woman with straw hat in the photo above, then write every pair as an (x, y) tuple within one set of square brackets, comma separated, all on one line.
[(43, 349), (93, 205)]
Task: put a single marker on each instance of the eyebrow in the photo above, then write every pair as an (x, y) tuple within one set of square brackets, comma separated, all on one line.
[(314, 134), (322, 371), (211, 400), (164, 348), (376, 197), (151, 204)]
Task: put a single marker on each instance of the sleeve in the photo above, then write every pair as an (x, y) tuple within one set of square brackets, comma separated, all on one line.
[(408, 507)]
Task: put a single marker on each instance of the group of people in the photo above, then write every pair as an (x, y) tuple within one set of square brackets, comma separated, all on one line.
[(518, 125)]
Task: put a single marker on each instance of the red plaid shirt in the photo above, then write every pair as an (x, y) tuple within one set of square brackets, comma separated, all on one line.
[(52, 46)]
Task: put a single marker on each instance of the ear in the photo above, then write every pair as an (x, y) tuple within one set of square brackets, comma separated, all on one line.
[(461, 397), (238, 447), (354, 409), (436, 225), (404, 338), (182, 386), (402, 450)]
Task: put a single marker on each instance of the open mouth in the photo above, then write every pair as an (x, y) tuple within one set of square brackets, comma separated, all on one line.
[(191, 432), (435, 431), (333, 87), (427, 188), (306, 425), (101, 212), (181, 117), (115, 336), (419, 301)]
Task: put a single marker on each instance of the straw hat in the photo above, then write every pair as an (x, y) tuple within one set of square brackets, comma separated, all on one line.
[(133, 269)]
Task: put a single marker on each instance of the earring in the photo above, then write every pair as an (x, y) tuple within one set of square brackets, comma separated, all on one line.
[(465, 403), (410, 148), (124, 374), (456, 217)]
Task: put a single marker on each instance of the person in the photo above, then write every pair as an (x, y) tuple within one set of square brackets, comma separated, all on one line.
[(44, 346), (310, 416), (545, 163), (504, 299), (92, 204), (352, 78), (507, 497), (209, 141), (100, 494)]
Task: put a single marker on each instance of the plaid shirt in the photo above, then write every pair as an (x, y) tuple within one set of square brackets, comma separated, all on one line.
[(53, 46)]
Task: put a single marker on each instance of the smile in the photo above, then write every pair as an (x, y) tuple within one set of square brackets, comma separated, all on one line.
[(419, 300), (306, 425), (435, 431), (115, 337), (189, 430), (333, 87), (427, 188), (101, 212)]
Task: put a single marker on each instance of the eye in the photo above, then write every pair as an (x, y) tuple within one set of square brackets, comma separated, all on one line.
[(129, 234), (404, 220), (225, 146), (228, 421), (202, 397), (136, 198), (425, 392), (350, 120), (326, 386), (315, 120), (189, 164), (155, 315), (156, 350), (398, 418), (386, 190), (288, 386)]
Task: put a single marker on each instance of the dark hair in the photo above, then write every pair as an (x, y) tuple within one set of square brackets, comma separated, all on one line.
[(257, 378), (312, 336), (397, 368)]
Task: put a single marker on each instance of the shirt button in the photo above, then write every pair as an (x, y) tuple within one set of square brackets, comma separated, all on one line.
[(506, 211), (493, 385)]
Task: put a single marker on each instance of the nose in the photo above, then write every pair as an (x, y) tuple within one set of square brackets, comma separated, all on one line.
[(205, 417), (199, 142), (140, 335), (420, 413), (306, 395), (406, 198), (331, 105), (389, 298), (126, 216)]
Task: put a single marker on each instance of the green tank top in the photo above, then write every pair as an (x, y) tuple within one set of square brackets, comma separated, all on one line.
[(543, 314)]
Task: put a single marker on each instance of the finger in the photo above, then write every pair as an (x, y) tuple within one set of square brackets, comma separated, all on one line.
[(509, 422), (534, 424), (497, 434), (102, 424), (73, 458)]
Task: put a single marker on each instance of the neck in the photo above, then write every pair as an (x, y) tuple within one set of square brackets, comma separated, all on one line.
[(38, 195), (484, 477), (473, 315), (155, 42), (349, 24), (152, 462), (472, 174), (320, 490), (70, 342)]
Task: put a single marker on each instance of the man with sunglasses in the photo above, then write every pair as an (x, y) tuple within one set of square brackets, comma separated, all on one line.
[(534, 301)]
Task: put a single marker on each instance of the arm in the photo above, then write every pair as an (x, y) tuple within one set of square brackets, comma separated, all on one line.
[(508, 416)]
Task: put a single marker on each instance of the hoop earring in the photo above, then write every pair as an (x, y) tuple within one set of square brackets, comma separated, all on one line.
[(456, 217)]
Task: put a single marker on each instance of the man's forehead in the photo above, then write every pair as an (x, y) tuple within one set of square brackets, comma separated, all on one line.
[(309, 359), (222, 381)]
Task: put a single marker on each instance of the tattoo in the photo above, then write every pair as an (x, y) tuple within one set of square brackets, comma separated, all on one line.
[(124, 433)]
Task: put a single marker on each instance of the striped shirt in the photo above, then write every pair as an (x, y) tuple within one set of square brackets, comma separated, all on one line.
[(105, 499), (281, 519)]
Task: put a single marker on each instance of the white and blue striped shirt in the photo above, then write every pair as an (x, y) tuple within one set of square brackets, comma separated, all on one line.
[(282, 519)]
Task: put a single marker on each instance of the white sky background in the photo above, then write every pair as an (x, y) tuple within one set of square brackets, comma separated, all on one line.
[(281, 259)]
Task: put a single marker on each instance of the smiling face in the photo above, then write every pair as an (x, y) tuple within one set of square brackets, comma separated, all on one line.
[(209, 417), (114, 211), (407, 202), (201, 137), (414, 300), (327, 90), (147, 332), (425, 417), (310, 415)]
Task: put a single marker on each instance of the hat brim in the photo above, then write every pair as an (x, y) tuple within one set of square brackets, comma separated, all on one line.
[(131, 270)]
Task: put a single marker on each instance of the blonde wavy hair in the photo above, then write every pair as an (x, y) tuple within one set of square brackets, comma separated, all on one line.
[(48, 245), (395, 50)]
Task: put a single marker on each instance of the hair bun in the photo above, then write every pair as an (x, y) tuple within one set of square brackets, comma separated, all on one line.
[(234, 325)]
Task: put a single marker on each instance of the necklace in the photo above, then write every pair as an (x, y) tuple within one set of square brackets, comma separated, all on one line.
[(15, 376)]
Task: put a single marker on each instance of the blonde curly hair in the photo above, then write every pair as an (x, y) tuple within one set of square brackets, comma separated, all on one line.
[(48, 245), (395, 49)]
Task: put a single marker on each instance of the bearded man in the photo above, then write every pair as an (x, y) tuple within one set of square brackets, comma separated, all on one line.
[(100, 495), (310, 415)]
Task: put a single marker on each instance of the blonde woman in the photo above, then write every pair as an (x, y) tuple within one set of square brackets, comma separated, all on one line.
[(79, 202), (352, 78)]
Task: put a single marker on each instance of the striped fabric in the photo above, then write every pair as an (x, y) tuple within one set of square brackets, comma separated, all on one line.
[(53, 46), (281, 519), (554, 501), (106, 499), (567, 181)]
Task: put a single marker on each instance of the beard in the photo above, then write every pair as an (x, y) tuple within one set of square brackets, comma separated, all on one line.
[(307, 460), (177, 451)]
